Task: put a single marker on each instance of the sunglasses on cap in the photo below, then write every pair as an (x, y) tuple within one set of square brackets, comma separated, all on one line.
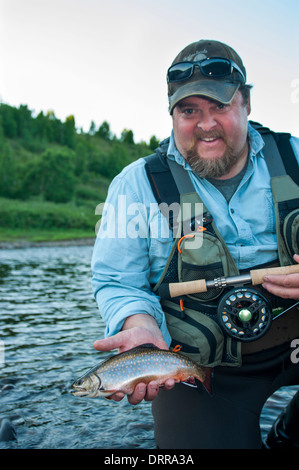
[(215, 67)]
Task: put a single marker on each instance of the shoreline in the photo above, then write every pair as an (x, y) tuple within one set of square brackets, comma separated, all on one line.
[(19, 244)]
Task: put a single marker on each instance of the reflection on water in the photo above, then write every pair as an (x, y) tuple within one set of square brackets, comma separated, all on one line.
[(48, 323)]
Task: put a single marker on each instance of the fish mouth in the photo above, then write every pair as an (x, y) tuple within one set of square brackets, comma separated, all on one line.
[(85, 386), (77, 390), (79, 393)]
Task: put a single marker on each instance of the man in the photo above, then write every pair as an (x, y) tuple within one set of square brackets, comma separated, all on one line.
[(213, 143)]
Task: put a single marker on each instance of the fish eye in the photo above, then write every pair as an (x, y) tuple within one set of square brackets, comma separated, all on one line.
[(79, 382)]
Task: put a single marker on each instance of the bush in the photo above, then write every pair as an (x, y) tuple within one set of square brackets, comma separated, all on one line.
[(37, 214), (51, 175)]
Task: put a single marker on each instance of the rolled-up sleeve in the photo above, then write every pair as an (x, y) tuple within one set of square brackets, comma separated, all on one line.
[(123, 270)]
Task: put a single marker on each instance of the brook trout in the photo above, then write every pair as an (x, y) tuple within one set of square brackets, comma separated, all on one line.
[(144, 363)]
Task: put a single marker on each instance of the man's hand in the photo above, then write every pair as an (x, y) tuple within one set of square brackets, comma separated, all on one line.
[(137, 329), (285, 286)]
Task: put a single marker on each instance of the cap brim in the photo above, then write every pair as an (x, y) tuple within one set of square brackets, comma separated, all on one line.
[(220, 91)]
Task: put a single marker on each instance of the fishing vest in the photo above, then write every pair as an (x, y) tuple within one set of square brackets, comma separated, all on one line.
[(192, 319)]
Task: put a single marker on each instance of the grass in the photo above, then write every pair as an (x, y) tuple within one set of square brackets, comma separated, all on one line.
[(43, 235), (38, 221)]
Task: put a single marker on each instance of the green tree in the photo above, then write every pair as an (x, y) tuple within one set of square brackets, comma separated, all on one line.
[(7, 171), (55, 128), (69, 131), (81, 158), (127, 137), (40, 127), (1, 134), (104, 131), (153, 143), (51, 175), (116, 160), (24, 122), (9, 120), (92, 128), (97, 161)]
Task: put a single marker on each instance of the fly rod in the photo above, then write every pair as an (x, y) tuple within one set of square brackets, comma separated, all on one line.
[(254, 277)]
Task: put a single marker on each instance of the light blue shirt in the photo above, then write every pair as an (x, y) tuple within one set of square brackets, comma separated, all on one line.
[(134, 239)]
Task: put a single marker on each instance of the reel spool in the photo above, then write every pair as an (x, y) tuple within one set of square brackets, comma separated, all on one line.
[(244, 314)]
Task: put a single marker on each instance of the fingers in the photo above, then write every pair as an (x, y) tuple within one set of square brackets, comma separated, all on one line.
[(144, 392), (128, 339), (138, 394), (169, 384), (286, 286), (149, 392), (296, 258), (135, 335), (120, 341), (282, 292), (107, 344), (118, 396)]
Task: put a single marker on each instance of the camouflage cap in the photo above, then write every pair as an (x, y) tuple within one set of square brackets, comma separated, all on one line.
[(221, 89)]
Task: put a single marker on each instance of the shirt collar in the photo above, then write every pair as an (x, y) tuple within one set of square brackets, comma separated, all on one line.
[(256, 142), (174, 154)]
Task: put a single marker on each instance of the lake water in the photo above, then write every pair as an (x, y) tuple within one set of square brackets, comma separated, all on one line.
[(48, 323)]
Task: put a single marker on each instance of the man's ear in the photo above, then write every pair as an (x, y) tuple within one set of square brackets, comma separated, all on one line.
[(248, 106)]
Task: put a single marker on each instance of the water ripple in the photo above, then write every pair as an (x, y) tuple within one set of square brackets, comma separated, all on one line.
[(49, 321)]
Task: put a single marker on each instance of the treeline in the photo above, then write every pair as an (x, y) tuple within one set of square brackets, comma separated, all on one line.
[(46, 163), (43, 156)]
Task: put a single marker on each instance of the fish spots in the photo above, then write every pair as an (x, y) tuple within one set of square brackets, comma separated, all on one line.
[(143, 364)]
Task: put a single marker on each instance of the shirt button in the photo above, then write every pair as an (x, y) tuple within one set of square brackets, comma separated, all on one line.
[(232, 211)]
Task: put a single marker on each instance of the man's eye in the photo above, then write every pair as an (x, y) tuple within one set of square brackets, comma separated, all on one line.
[(188, 111), (222, 106)]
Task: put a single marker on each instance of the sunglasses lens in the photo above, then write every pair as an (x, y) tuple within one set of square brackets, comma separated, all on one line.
[(180, 72), (215, 67)]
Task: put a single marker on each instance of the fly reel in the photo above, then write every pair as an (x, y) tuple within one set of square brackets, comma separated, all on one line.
[(244, 314)]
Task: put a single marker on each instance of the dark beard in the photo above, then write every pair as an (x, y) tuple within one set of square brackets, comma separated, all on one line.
[(215, 168)]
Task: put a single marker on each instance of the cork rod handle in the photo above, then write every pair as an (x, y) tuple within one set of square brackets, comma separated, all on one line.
[(188, 287), (258, 275)]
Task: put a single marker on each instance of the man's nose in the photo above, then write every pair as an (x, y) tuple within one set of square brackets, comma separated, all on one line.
[(206, 122)]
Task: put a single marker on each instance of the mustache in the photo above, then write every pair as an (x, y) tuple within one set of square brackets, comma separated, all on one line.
[(210, 168), (200, 134)]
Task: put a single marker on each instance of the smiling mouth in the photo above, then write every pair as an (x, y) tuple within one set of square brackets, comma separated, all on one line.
[(209, 140)]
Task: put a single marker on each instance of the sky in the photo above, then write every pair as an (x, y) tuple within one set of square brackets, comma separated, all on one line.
[(106, 60)]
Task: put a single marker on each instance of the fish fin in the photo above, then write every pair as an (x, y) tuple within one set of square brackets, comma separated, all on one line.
[(207, 383), (190, 382), (106, 393), (145, 345)]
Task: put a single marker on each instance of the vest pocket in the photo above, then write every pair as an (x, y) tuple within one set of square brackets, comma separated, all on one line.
[(195, 264), (200, 336)]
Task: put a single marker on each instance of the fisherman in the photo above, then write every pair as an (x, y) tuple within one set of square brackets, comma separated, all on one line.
[(223, 155)]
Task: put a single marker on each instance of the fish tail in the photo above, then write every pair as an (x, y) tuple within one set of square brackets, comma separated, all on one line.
[(207, 383)]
